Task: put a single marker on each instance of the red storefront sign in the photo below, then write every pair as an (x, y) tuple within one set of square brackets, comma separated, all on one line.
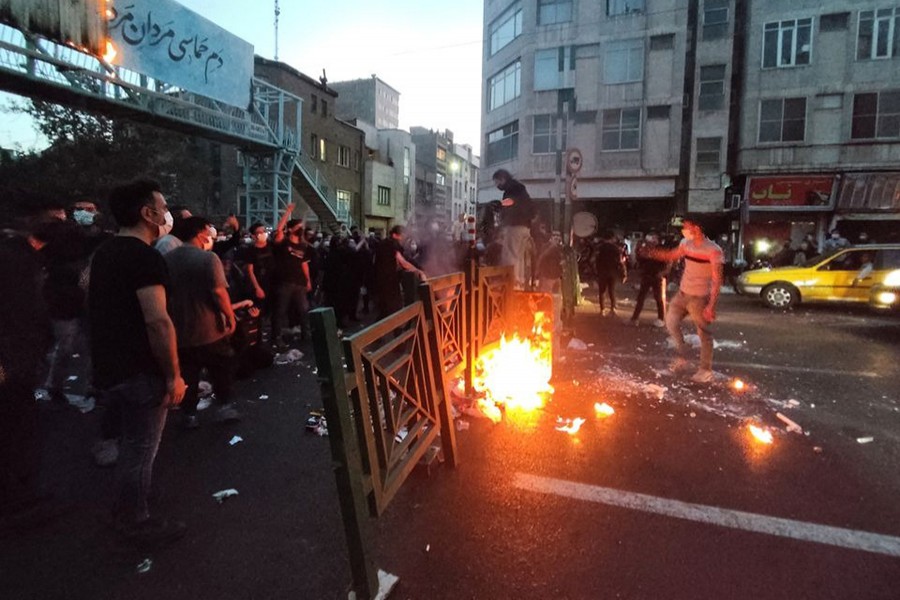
[(790, 192)]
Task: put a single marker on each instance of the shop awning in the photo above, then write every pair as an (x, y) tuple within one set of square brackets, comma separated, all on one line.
[(869, 192)]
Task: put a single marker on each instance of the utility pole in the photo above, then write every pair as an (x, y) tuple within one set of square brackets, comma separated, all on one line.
[(277, 13)]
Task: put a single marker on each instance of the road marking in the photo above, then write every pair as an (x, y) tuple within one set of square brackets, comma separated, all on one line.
[(760, 366), (735, 519)]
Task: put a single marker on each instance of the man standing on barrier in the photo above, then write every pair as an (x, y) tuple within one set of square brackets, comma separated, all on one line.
[(516, 215)]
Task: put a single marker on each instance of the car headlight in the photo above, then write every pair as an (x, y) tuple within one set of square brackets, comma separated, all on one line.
[(892, 279), (886, 298)]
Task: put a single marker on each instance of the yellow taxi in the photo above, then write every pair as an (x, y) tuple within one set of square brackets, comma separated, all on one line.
[(844, 275)]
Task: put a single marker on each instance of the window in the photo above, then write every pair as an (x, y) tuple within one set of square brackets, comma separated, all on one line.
[(624, 61), (503, 143), (324, 107), (323, 156), (384, 196), (715, 19), (712, 87), (406, 165), (621, 129), (624, 7), (878, 34), (665, 41), (787, 43), (506, 28), (342, 210), (505, 86), (314, 104), (439, 179), (543, 139), (441, 154), (314, 146), (356, 160), (658, 112), (343, 157), (782, 120), (708, 151), (551, 12), (550, 66), (834, 22), (876, 115)]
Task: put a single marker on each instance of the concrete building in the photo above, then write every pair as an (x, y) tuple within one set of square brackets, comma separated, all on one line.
[(606, 78), (336, 148), (388, 183), (819, 141), (781, 117), (463, 181), (432, 174), (371, 100)]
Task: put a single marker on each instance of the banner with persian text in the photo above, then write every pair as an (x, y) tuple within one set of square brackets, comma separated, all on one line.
[(790, 192), (164, 40)]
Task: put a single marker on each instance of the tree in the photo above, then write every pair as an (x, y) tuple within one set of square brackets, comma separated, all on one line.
[(89, 154)]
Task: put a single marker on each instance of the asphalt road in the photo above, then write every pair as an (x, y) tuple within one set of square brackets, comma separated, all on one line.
[(667, 498)]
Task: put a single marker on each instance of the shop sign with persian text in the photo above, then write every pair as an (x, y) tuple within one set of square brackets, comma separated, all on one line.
[(790, 192)]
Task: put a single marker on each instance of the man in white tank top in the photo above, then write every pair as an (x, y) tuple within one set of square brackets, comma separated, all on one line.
[(697, 295)]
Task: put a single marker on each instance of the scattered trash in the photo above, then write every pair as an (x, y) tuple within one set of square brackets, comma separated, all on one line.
[(264, 397), (316, 423), (235, 440), (462, 425), (289, 357), (427, 547), (145, 565), (76, 356), (72, 378), (793, 402), (761, 435), (865, 440), (693, 415), (204, 403), (570, 426), (791, 425), (817, 449), (204, 389), (693, 340), (655, 390), (576, 344), (82, 403), (220, 496), (401, 435)]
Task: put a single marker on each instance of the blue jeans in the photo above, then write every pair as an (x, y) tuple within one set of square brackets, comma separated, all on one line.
[(680, 306), (140, 402)]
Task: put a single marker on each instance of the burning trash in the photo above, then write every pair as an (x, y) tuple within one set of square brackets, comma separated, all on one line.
[(603, 410), (570, 426), (761, 435)]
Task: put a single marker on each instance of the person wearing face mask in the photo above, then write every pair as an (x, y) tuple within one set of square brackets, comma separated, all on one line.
[(134, 352), (653, 278), (86, 214), (203, 316), (835, 242), (259, 265), (292, 281), (167, 240), (697, 295)]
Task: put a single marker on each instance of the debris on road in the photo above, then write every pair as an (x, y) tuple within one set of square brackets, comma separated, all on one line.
[(865, 440), (145, 565), (204, 403), (235, 440), (655, 390), (791, 425), (762, 435), (289, 357), (462, 425), (72, 378), (576, 344), (204, 389), (263, 396), (221, 495), (603, 410), (570, 426), (316, 423)]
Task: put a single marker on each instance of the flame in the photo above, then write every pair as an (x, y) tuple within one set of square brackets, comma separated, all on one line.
[(763, 436), (739, 385), (110, 53), (570, 426), (603, 410), (516, 373)]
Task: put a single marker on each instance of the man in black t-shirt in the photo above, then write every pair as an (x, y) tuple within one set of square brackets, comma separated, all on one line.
[(292, 282), (259, 264), (134, 351), (516, 214), (388, 263)]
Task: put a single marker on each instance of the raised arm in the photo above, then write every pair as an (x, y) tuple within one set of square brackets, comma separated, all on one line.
[(279, 229)]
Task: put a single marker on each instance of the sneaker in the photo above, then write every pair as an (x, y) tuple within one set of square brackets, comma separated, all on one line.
[(703, 376), (190, 422), (678, 365), (659, 323), (227, 413), (152, 531), (106, 452)]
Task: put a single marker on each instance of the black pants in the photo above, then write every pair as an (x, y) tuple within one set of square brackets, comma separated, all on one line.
[(218, 360), (290, 298), (658, 285), (607, 285), (20, 445)]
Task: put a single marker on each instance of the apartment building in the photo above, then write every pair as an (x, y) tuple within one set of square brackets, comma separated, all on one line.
[(432, 174), (371, 100), (463, 184)]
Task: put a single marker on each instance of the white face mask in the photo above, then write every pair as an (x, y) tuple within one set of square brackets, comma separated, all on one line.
[(211, 237), (168, 222), (83, 217)]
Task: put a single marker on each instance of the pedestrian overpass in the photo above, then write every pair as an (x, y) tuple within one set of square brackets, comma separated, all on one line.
[(267, 132)]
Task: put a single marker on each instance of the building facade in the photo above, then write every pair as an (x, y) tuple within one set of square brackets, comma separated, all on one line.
[(371, 100), (432, 174), (779, 119), (463, 181)]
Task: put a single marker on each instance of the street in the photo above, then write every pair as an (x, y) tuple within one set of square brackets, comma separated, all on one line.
[(669, 497)]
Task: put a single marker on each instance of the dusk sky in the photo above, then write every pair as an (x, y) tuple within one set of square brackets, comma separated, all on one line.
[(429, 51)]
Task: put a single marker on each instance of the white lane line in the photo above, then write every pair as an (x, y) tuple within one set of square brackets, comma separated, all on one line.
[(747, 365), (735, 519)]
